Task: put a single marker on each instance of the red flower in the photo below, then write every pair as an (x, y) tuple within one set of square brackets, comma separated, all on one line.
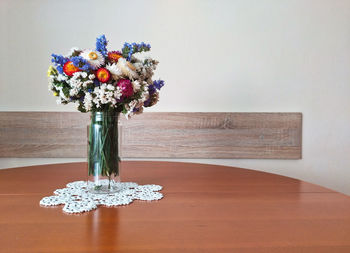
[(114, 56), (126, 87), (69, 69), (103, 75)]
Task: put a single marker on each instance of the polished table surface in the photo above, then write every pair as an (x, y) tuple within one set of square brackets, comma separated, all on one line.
[(206, 208)]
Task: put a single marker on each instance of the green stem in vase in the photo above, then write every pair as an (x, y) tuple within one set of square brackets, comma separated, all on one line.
[(103, 156)]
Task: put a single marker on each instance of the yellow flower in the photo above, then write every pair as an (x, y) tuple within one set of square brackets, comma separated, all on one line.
[(51, 71), (56, 94), (93, 56)]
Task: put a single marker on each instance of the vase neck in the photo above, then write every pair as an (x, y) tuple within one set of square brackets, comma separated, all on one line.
[(98, 116), (105, 114)]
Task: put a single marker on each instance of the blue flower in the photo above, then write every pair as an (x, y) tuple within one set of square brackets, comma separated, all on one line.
[(81, 63), (59, 61), (101, 45), (126, 44), (96, 82), (90, 90), (158, 84), (60, 69), (130, 49)]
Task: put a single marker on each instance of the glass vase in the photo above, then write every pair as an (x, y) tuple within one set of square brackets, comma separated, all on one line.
[(103, 153)]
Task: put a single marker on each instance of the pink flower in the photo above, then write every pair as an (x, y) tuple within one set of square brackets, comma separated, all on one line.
[(126, 87)]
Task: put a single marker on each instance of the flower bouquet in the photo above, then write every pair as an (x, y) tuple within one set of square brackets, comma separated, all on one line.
[(105, 83)]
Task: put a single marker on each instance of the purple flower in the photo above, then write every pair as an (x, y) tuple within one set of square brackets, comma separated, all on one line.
[(158, 84), (151, 89), (147, 102)]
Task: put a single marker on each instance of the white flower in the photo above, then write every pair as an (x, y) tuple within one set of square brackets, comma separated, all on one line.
[(136, 85), (88, 101), (71, 51), (95, 58), (74, 91), (86, 83), (74, 82), (118, 93), (51, 82), (138, 66), (114, 70), (105, 94), (91, 76), (134, 104), (76, 75), (142, 56), (62, 96), (145, 94), (127, 68), (110, 87), (61, 77)]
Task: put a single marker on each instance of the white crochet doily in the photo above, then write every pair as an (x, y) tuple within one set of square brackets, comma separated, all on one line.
[(76, 198)]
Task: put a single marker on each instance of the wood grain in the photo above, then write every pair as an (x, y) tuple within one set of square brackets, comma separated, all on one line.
[(157, 135), (206, 208)]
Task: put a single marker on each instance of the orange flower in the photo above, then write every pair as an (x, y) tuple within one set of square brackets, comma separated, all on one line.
[(69, 69), (114, 56), (103, 75)]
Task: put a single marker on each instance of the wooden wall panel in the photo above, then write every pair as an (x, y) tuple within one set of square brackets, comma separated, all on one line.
[(157, 135), (43, 134)]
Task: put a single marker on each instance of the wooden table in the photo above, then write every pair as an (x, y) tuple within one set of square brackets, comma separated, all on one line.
[(206, 208)]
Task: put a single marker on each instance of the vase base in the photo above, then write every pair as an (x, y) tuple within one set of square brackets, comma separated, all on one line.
[(104, 187)]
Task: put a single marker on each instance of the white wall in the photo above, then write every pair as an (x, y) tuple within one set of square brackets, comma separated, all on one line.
[(239, 56)]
